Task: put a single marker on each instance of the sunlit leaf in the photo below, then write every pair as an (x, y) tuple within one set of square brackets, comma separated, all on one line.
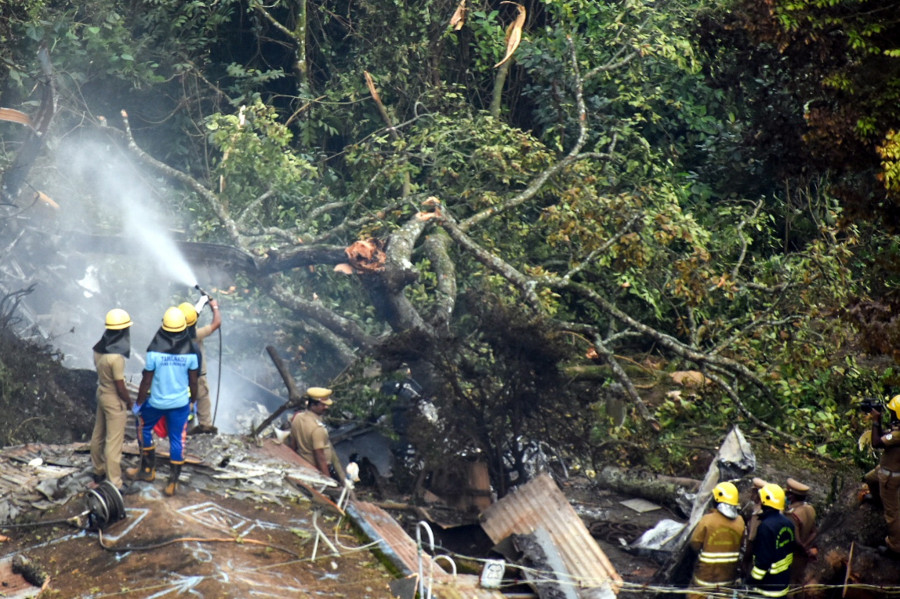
[(459, 17)]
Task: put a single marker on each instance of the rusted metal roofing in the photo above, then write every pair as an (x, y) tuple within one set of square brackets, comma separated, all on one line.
[(397, 546), (401, 550), (540, 504)]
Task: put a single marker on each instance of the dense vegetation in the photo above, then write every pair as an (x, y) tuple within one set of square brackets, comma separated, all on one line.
[(542, 229)]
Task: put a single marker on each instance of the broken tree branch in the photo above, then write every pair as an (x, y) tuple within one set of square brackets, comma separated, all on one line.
[(295, 397)]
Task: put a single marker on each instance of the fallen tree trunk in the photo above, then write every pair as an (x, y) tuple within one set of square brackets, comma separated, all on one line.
[(670, 491)]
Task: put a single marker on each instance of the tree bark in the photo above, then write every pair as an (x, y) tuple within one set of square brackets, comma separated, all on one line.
[(664, 490)]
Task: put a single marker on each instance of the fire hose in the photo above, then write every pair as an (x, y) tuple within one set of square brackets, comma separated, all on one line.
[(103, 506)]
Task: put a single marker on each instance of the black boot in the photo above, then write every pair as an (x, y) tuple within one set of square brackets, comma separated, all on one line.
[(174, 473), (147, 470)]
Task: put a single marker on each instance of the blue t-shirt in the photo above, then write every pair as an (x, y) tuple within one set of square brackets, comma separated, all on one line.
[(169, 388)]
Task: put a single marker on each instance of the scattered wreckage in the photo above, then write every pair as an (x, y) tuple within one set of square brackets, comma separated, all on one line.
[(256, 519)]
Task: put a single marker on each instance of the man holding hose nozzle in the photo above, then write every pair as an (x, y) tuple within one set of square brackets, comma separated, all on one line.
[(198, 334), (884, 481)]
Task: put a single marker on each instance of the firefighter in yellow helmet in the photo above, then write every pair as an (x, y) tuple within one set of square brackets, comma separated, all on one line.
[(113, 400), (773, 548), (198, 334), (885, 479), (168, 387), (717, 538)]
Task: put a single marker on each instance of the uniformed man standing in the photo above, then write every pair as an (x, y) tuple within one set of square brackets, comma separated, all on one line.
[(885, 479), (718, 539), (198, 334), (113, 400), (309, 436), (751, 513), (804, 517), (773, 548)]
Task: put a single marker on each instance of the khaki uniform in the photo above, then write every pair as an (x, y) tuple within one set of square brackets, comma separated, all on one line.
[(887, 475), (204, 405), (718, 539), (804, 517), (308, 433), (112, 414)]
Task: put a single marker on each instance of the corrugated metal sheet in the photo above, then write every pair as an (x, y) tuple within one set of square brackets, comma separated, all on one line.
[(402, 552), (398, 546), (540, 504)]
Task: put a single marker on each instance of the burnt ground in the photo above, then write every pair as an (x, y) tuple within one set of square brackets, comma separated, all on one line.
[(242, 530), (39, 398), (203, 545)]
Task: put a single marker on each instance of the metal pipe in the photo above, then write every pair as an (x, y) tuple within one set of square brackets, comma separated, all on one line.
[(422, 590)]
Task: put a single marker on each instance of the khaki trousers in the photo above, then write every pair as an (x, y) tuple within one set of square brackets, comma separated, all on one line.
[(889, 487), (108, 436), (204, 405)]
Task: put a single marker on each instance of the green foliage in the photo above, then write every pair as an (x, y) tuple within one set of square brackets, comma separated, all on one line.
[(285, 175), (679, 209)]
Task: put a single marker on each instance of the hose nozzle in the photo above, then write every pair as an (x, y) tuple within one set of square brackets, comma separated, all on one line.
[(204, 299)]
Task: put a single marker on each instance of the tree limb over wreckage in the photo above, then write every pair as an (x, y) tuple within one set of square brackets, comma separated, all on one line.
[(614, 258)]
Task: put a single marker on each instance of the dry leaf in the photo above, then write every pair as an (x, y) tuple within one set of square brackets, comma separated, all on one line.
[(688, 378), (370, 83), (40, 195), (14, 116), (513, 33), (459, 17), (344, 268)]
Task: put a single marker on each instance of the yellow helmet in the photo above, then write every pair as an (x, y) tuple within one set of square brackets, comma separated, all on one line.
[(726, 493), (894, 406), (773, 496), (117, 319), (190, 313), (174, 321)]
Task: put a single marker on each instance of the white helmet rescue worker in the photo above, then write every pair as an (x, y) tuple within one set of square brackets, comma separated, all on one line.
[(717, 538)]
